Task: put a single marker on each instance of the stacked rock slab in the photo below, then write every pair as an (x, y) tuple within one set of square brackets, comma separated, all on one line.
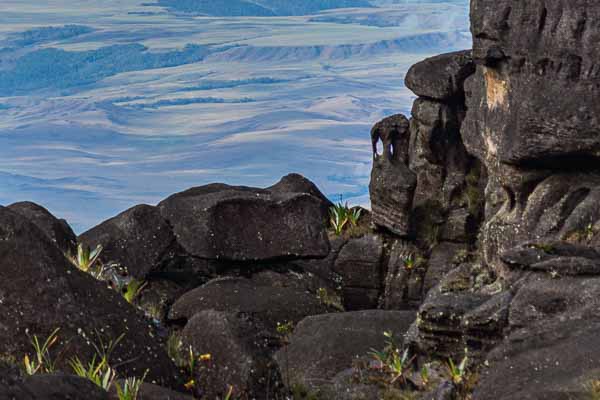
[(425, 187), (530, 116)]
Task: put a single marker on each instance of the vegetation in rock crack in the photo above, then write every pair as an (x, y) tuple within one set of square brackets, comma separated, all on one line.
[(342, 216), (585, 235), (97, 371), (338, 217), (131, 388), (285, 330), (393, 361), (87, 260), (133, 289), (354, 215), (41, 361), (461, 378), (329, 300)]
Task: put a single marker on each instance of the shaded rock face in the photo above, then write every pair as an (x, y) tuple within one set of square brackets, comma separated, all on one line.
[(323, 346), (247, 224), (57, 230), (53, 387), (268, 302), (40, 290), (533, 119), (239, 355), (359, 266)]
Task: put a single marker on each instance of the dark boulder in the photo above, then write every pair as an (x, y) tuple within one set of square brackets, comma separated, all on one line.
[(239, 354), (40, 290), (62, 387), (323, 346), (139, 239), (247, 224), (149, 391), (58, 230), (441, 77), (265, 301)]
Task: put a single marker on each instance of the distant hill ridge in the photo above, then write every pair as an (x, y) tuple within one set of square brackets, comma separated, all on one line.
[(263, 8)]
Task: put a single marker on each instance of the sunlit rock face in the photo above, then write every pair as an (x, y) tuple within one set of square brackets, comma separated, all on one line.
[(533, 118)]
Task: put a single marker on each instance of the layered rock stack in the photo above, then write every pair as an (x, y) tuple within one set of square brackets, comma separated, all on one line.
[(525, 107)]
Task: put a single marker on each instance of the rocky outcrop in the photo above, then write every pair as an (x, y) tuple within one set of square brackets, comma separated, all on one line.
[(533, 120), (323, 346), (40, 291), (247, 224)]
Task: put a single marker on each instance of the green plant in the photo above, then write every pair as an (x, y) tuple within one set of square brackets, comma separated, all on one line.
[(338, 217), (98, 372), (330, 301), (285, 331), (86, 258), (409, 262), (42, 361), (133, 290), (229, 393), (457, 373), (354, 215), (425, 375), (392, 361), (174, 345), (131, 388)]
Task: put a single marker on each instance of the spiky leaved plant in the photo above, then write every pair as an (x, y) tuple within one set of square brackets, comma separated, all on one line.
[(42, 361)]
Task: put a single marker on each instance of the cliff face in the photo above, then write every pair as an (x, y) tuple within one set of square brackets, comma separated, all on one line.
[(533, 119), (517, 124)]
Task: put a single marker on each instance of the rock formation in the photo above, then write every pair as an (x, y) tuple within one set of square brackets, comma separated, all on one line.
[(482, 246)]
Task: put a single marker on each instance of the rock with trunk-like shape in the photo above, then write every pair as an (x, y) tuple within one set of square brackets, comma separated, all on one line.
[(392, 182)]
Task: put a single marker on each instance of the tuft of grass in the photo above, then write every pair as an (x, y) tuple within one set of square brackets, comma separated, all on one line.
[(338, 217), (41, 361), (131, 388), (86, 259), (354, 215), (133, 290), (97, 371)]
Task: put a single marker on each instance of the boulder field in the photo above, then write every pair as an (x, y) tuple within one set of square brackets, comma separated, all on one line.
[(476, 274)]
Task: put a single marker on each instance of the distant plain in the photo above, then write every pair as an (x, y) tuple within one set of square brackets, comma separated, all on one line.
[(125, 103)]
